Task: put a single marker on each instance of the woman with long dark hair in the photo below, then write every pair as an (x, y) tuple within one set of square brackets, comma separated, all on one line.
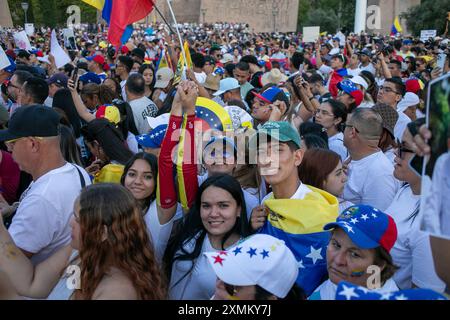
[(412, 251), (148, 72), (113, 257)]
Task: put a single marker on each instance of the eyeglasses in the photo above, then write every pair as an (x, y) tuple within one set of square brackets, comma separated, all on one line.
[(402, 150), (10, 143), (13, 86), (345, 125), (388, 90)]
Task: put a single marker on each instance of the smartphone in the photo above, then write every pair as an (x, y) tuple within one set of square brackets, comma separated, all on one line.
[(74, 74), (416, 164)]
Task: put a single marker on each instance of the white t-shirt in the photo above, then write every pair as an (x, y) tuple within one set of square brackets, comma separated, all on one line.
[(143, 108), (354, 72), (48, 102), (412, 251), (200, 76), (41, 224), (336, 144), (132, 143), (122, 87), (300, 194), (327, 290), (371, 181), (369, 68), (200, 283), (390, 154), (401, 125)]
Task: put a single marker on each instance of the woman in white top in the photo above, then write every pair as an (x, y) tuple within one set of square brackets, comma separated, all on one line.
[(115, 259), (412, 251), (216, 222), (331, 115), (322, 169)]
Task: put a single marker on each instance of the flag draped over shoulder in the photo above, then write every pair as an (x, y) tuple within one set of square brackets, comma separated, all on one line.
[(396, 27), (98, 4), (182, 64), (299, 223)]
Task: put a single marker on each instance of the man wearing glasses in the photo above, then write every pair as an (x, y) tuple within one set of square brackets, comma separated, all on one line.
[(370, 172), (15, 87), (41, 223), (391, 93)]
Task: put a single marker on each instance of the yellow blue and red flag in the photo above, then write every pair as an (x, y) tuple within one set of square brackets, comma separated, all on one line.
[(299, 223), (396, 27)]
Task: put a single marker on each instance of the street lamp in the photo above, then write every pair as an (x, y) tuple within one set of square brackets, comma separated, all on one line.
[(203, 13), (25, 8)]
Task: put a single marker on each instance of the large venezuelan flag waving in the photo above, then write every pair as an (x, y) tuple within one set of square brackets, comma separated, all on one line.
[(299, 223)]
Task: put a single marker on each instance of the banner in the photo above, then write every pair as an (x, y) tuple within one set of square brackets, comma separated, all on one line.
[(4, 61), (61, 57), (311, 34), (21, 41), (425, 35), (29, 29)]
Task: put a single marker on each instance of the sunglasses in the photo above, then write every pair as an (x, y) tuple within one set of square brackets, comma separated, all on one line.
[(402, 150)]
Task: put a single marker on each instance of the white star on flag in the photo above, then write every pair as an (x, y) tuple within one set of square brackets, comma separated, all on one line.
[(374, 215), (386, 296), (354, 221), (152, 136), (401, 297), (300, 264), (364, 217), (348, 292), (315, 254), (141, 138)]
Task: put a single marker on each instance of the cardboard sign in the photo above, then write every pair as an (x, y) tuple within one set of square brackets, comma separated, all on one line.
[(4, 61), (311, 34), (29, 29), (427, 34), (61, 57), (69, 39), (21, 40)]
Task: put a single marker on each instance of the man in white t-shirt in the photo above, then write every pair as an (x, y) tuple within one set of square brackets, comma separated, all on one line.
[(391, 93), (370, 173), (41, 223), (141, 106)]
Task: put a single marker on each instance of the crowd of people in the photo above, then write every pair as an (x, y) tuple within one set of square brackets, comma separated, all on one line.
[(300, 181)]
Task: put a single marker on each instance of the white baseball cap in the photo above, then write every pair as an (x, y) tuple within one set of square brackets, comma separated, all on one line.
[(227, 57), (163, 77), (360, 80), (226, 85), (410, 99), (260, 260)]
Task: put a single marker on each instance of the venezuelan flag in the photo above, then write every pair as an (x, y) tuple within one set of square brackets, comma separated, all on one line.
[(396, 27), (98, 4), (299, 223), (182, 64), (164, 61)]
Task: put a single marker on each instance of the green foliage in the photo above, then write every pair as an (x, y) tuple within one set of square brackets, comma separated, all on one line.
[(330, 15), (49, 12), (429, 15)]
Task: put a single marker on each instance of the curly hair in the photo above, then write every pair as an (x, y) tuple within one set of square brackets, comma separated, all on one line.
[(127, 246)]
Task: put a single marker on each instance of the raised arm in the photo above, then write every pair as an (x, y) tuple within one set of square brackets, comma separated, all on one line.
[(79, 105), (28, 280)]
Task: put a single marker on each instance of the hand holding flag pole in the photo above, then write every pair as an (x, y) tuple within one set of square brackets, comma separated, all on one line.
[(178, 33)]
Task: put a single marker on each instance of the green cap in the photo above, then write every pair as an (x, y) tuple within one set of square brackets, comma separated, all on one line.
[(280, 130)]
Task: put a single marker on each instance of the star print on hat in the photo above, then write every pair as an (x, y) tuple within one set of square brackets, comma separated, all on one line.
[(367, 227), (257, 260)]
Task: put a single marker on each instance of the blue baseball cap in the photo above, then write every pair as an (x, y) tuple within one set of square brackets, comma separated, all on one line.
[(407, 42), (367, 227), (154, 138), (350, 88), (273, 94), (90, 77)]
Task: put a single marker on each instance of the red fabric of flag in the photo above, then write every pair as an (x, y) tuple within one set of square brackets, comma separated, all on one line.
[(125, 12)]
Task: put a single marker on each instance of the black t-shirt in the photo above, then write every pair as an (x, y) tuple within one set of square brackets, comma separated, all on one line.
[(256, 80)]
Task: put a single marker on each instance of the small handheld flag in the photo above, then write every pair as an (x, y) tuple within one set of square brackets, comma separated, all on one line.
[(396, 27)]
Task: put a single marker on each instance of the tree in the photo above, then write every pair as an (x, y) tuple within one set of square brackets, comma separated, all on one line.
[(49, 13), (429, 15), (330, 15)]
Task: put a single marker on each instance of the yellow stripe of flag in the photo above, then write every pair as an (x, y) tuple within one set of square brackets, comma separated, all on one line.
[(99, 4)]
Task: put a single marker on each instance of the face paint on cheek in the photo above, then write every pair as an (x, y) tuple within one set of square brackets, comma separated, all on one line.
[(357, 273)]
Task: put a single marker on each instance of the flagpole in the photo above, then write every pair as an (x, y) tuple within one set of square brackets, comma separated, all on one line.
[(162, 16), (178, 32)]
